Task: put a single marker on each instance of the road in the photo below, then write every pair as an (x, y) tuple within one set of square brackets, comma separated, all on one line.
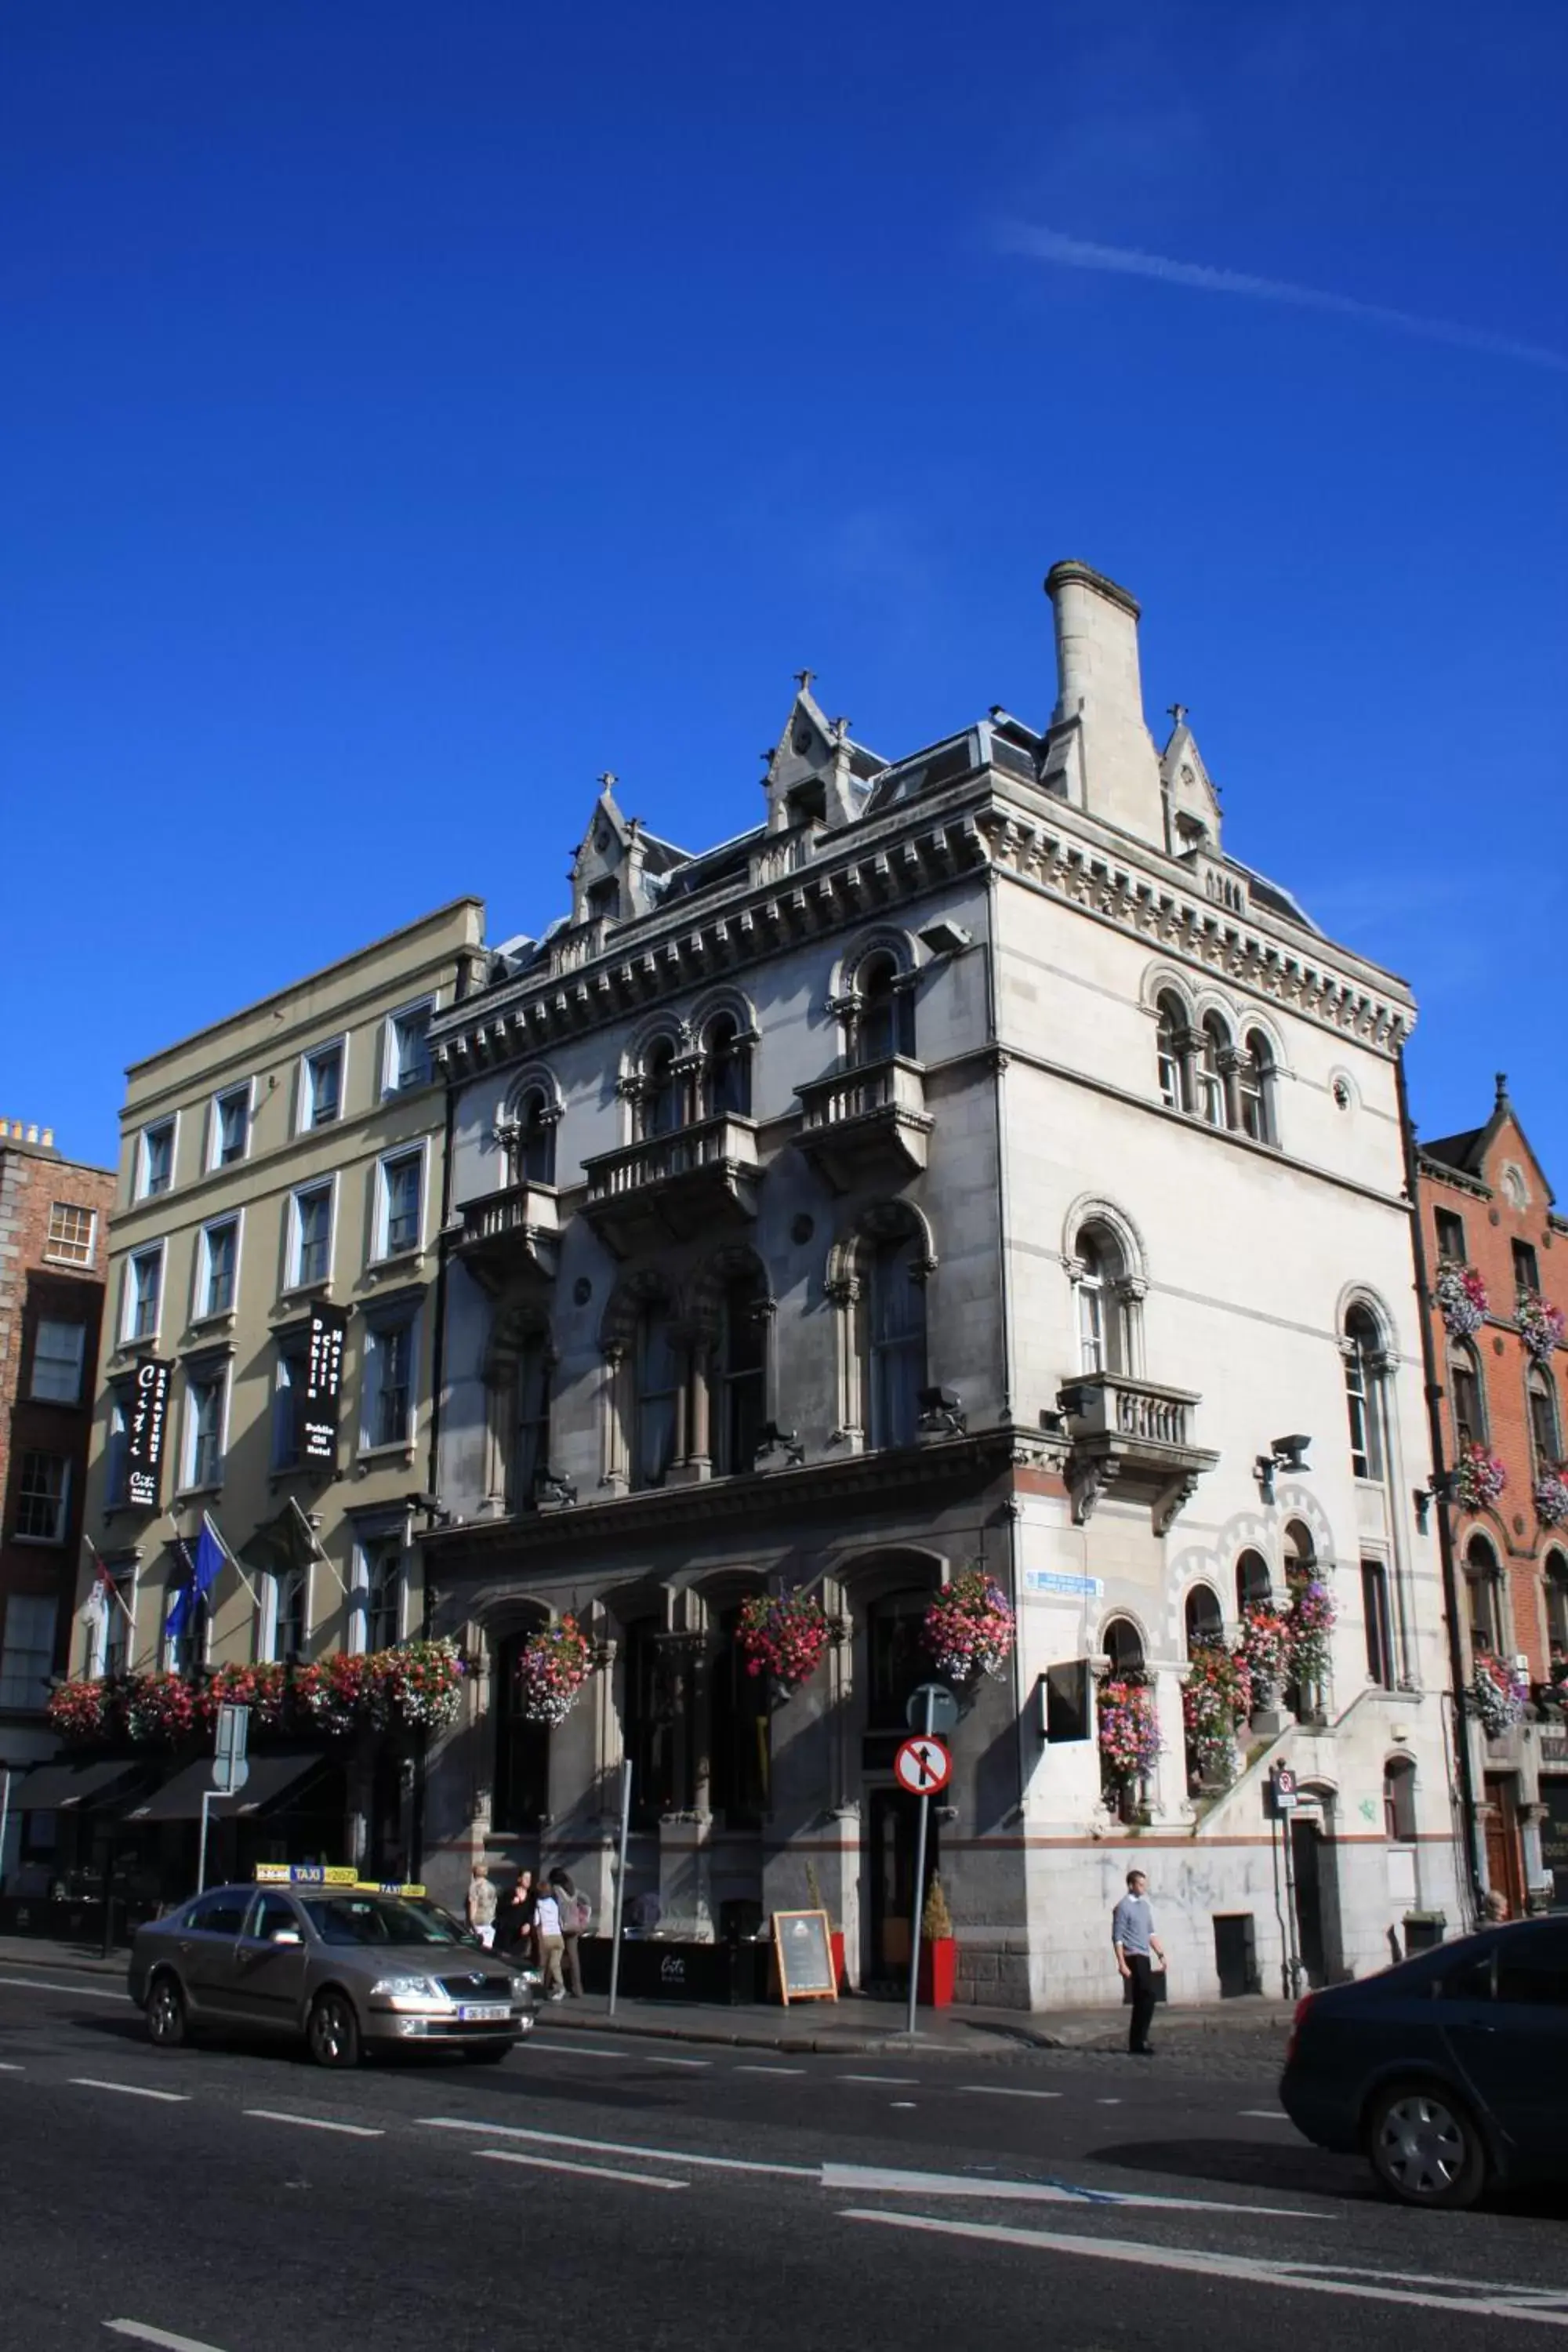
[(607, 2193)]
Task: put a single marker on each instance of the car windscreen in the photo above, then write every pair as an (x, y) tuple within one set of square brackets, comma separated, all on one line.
[(382, 1920)]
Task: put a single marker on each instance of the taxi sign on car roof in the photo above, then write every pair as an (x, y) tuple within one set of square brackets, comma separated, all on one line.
[(341, 1875)]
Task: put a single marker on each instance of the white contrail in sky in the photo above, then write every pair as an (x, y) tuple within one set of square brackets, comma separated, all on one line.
[(1131, 261)]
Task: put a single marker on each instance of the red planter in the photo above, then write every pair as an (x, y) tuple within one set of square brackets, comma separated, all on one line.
[(837, 1941), (939, 1971)]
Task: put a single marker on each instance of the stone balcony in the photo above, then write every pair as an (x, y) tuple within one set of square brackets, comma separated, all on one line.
[(513, 1233), (869, 1121), (1134, 1436), (673, 1187)]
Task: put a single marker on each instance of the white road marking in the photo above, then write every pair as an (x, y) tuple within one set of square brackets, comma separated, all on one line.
[(617, 2147), (880, 2078), (587, 2171), (87, 1993), (1265, 2114), (1005, 2091), (885, 2181), (145, 2334), (577, 2049), (131, 2090), (648, 2060), (1108, 2103), (768, 2070), (8, 2068), (1191, 2259), (901, 2102), (314, 2123)]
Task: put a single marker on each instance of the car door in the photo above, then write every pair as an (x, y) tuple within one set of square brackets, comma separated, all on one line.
[(1513, 2048), (269, 1964), (208, 1936)]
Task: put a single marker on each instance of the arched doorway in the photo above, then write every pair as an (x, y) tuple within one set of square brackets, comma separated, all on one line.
[(1315, 1886), (890, 1598)]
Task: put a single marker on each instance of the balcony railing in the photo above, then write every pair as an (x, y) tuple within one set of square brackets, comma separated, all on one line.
[(675, 1183), (1136, 1436), (513, 1229), (875, 1111)]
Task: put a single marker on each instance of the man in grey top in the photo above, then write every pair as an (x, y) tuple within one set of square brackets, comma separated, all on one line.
[(1137, 1948)]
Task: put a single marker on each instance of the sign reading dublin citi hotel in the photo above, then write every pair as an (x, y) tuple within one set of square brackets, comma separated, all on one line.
[(323, 1385), (147, 1424)]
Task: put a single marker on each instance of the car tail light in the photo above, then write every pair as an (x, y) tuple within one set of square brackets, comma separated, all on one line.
[(1303, 2006)]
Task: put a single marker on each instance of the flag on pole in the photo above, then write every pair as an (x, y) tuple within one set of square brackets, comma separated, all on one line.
[(105, 1588), (204, 1569), (288, 1542), (211, 1526)]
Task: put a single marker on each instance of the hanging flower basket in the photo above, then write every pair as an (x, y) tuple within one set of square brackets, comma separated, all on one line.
[(1309, 1622), (422, 1684), (1552, 1496), (1478, 1478), (1461, 1297), (1540, 1325), (1215, 1697), (337, 1693), (81, 1712), (1129, 1739), (1497, 1695), (551, 1670), (1264, 1649), (970, 1629), (782, 1635), (160, 1710)]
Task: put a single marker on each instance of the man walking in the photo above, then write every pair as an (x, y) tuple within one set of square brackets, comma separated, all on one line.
[(1137, 1948), (482, 1901)]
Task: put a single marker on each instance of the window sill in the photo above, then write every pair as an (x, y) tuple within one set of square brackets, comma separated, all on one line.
[(399, 1456), (195, 1494), (72, 1265), (58, 1404), (131, 1350), (396, 1262), (39, 1543), (222, 1319), (299, 1293)]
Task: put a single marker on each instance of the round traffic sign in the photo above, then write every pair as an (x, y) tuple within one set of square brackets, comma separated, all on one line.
[(932, 1708), (922, 1766)]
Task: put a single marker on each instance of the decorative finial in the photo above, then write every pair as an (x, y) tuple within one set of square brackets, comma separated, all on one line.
[(609, 779), (1176, 712), (802, 678)]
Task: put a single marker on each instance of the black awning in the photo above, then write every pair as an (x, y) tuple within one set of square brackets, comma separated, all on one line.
[(270, 1777), (57, 1788)]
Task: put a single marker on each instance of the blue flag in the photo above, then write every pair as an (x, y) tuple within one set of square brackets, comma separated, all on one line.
[(210, 1557)]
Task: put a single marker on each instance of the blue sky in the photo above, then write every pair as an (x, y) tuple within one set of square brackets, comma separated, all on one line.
[(408, 412)]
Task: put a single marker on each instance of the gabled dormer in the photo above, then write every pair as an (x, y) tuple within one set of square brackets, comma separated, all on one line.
[(1192, 800), (618, 872), (816, 777)]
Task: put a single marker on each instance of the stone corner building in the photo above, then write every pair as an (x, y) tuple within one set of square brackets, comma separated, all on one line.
[(972, 1164)]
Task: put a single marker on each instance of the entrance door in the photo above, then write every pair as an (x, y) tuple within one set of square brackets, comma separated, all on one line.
[(1505, 1868), (895, 1824), (1306, 1859)]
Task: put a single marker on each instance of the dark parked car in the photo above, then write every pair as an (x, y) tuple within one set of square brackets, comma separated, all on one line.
[(1449, 2073), (346, 1969)]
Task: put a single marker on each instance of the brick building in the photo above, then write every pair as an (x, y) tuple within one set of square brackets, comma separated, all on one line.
[(53, 1216), (1497, 1260)]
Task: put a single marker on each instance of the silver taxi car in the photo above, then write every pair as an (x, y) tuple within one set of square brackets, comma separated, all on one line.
[(347, 1968)]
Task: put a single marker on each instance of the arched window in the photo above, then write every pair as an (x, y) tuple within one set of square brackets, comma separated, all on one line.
[(1399, 1800), (893, 1343), (1101, 1279), (533, 1139), (1467, 1395), (1213, 1045), (884, 1016), (1123, 1645), (1557, 1609), (1545, 1431), (530, 1398), (520, 1798), (1204, 1621), (1301, 1552), (659, 1715), (897, 1660), (726, 1070), (1254, 1585), (655, 1395), (1484, 1594), (658, 1105), (1256, 1081), (740, 1371), (1364, 1362), (1171, 1050), (739, 1760)]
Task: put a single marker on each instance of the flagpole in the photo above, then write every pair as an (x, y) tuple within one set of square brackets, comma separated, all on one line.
[(217, 1533), (316, 1547), (103, 1580)]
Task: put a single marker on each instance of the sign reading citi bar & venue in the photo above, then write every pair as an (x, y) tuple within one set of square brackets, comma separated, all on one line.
[(146, 1423), (324, 1384)]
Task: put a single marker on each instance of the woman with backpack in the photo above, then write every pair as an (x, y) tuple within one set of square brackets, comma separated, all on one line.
[(576, 1916)]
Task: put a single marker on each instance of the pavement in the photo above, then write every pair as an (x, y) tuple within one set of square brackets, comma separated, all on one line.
[(847, 2028), (634, 2196)]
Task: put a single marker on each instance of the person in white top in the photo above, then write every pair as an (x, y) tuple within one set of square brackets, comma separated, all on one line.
[(551, 1941), (482, 1900)]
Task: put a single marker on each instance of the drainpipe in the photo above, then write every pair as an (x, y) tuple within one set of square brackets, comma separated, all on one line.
[(438, 1368), (1467, 1804)]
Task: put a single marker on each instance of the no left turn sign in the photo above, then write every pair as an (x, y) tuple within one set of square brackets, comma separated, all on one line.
[(922, 1766)]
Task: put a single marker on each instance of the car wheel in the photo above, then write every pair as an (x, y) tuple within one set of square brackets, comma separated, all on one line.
[(1425, 2147), (487, 2053), (332, 2031), (167, 2028)]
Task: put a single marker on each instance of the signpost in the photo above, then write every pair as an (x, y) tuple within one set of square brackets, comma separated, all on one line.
[(231, 1771), (921, 1765), (620, 1883), (1284, 1794)]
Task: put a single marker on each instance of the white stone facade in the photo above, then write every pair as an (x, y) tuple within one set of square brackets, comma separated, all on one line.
[(1052, 1107)]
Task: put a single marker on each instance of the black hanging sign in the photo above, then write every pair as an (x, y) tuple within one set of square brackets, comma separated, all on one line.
[(147, 1422), (323, 1385)]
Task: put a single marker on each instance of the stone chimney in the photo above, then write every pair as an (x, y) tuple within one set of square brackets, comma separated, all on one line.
[(1101, 755)]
